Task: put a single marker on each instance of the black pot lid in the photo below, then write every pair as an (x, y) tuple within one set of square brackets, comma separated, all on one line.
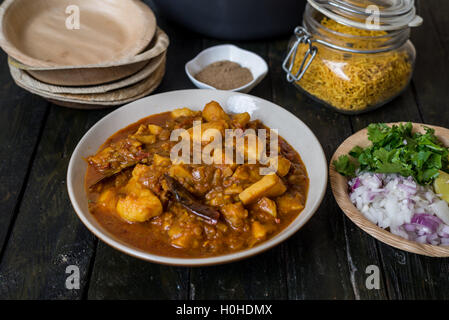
[(370, 14)]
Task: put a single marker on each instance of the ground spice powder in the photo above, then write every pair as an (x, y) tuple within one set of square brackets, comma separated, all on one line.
[(225, 75)]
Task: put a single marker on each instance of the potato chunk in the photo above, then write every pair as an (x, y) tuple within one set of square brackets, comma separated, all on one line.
[(139, 204), (265, 205), (240, 120), (147, 139), (270, 186), (290, 203), (142, 130), (138, 172), (182, 112), (161, 161), (258, 230), (180, 171), (227, 171), (108, 199), (241, 173), (277, 190), (154, 129), (214, 112), (139, 208), (144, 135), (283, 165), (233, 189)]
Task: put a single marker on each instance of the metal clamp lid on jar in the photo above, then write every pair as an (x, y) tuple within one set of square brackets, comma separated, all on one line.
[(391, 14), (302, 37), (401, 14)]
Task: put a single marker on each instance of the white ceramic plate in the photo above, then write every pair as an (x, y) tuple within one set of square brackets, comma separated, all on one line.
[(245, 58), (297, 134)]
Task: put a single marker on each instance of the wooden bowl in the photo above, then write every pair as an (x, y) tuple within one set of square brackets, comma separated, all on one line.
[(22, 77), (103, 100), (339, 186), (41, 33), (99, 74), (101, 105), (87, 76)]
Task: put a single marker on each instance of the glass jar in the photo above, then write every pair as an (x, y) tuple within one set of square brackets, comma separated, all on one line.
[(353, 55)]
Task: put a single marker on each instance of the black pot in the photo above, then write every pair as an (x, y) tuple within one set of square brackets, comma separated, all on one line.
[(235, 19)]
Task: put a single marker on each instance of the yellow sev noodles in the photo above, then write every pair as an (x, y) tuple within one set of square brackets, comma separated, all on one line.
[(354, 82)]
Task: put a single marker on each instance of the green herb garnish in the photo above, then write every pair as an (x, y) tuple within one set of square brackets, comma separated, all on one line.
[(397, 150)]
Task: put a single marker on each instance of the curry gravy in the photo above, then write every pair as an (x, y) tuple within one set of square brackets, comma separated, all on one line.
[(160, 234)]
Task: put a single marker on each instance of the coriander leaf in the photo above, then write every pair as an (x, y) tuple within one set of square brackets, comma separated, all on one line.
[(377, 132), (344, 166), (356, 151), (419, 158), (383, 155), (428, 175), (394, 168), (397, 149), (435, 161)]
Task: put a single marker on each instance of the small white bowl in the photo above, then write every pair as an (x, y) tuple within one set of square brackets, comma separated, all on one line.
[(245, 58), (290, 128)]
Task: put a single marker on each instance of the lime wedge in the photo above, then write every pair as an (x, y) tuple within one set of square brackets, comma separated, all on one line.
[(441, 185)]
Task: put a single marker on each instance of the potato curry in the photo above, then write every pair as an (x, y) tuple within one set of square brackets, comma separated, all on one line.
[(173, 208)]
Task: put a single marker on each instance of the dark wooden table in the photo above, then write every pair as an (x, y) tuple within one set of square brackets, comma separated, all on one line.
[(40, 234)]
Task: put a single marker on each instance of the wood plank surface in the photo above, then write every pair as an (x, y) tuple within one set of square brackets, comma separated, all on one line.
[(22, 117), (428, 277), (260, 277), (400, 109), (47, 235), (316, 257), (119, 276)]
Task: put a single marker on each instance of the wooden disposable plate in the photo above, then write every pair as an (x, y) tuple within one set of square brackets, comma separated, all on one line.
[(85, 76), (107, 99), (42, 33), (339, 186), (101, 105), (25, 79), (98, 74)]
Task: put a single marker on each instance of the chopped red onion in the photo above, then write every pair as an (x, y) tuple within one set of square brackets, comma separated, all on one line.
[(397, 203), (433, 239), (427, 220), (357, 184), (421, 239), (411, 227)]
